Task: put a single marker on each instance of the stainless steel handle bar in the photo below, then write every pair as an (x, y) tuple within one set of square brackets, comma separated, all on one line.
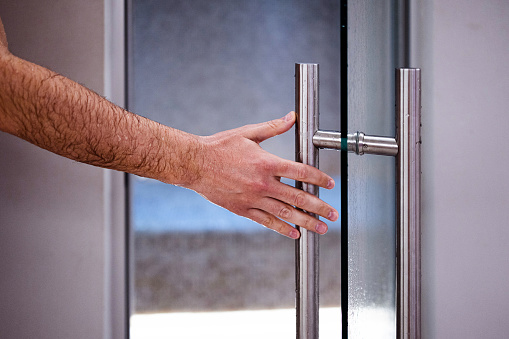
[(406, 148)]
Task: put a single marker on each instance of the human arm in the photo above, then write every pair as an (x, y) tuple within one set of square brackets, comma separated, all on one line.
[(229, 168)]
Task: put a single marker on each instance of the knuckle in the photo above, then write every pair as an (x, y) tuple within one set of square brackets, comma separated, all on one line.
[(284, 167), (278, 227), (299, 199), (310, 223), (302, 173), (273, 124), (285, 213), (269, 166), (324, 211), (258, 186), (262, 186), (273, 223), (268, 222)]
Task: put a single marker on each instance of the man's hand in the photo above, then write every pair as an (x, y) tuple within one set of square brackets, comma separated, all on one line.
[(228, 168), (237, 174)]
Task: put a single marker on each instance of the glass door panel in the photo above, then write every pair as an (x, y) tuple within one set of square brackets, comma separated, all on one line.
[(372, 58), (203, 67)]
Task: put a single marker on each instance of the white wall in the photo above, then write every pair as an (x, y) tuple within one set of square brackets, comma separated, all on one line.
[(55, 214), (463, 49)]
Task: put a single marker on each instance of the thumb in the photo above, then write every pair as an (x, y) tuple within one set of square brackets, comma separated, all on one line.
[(269, 129)]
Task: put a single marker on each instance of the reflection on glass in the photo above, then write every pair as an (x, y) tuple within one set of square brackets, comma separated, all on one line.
[(371, 195), (203, 67)]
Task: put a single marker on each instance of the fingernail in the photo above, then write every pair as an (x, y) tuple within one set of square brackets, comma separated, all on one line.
[(321, 228), (330, 184), (288, 117), (333, 216), (294, 234)]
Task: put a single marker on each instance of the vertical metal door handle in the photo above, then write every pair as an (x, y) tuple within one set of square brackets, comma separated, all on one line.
[(406, 148), (408, 118), (306, 106)]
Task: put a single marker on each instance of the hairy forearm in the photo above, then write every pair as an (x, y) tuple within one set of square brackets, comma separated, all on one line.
[(228, 168), (66, 118)]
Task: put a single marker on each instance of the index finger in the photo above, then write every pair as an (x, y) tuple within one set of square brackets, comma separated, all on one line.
[(304, 173)]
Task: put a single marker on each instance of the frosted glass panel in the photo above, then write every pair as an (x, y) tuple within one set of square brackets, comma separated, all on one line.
[(371, 192)]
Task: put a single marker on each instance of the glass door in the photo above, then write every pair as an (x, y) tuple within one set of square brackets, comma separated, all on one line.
[(375, 46), (203, 67)]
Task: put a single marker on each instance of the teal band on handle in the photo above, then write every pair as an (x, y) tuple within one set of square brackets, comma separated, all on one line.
[(344, 144)]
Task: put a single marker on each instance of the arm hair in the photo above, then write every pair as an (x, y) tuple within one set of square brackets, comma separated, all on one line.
[(58, 114)]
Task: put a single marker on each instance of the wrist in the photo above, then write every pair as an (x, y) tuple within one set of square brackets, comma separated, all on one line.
[(183, 157)]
